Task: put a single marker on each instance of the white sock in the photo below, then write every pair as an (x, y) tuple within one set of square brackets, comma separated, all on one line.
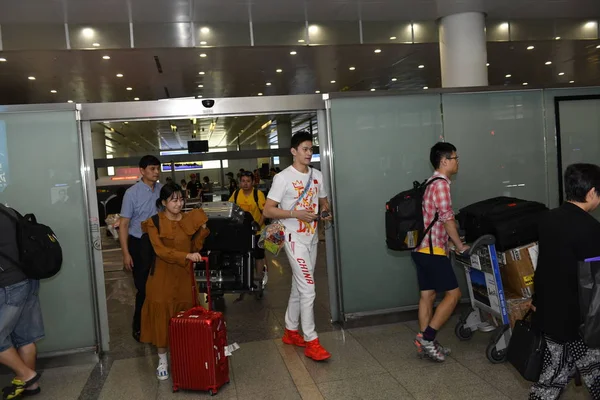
[(162, 359)]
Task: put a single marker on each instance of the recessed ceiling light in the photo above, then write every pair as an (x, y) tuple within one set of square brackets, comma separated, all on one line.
[(260, 94), (201, 73), (31, 78), (200, 86), (69, 101), (199, 96), (352, 68), (393, 38), (548, 62), (279, 71), (557, 38), (53, 91), (425, 87), (530, 47), (372, 90), (106, 57), (313, 29), (203, 43), (317, 91), (136, 99), (300, 40), (268, 83), (332, 81), (598, 47), (205, 30), (129, 88), (571, 81), (2, 59), (126, 123), (394, 79), (487, 64), (377, 51), (96, 44), (119, 75), (203, 55), (504, 25), (525, 83), (421, 66), (590, 24), (293, 53), (508, 75), (561, 73)]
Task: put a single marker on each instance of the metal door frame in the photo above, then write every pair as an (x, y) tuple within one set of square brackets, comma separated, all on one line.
[(171, 109)]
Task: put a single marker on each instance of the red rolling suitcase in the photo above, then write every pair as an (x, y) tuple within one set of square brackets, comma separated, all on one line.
[(197, 340)]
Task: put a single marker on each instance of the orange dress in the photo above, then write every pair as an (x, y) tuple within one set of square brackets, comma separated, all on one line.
[(169, 289)]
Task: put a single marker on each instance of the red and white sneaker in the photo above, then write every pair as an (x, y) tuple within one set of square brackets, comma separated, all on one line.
[(293, 337), (315, 351)]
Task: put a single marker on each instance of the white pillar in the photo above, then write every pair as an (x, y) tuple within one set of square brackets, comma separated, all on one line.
[(463, 52), (284, 140)]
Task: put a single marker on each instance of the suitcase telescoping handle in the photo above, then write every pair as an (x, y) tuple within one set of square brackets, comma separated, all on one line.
[(194, 287)]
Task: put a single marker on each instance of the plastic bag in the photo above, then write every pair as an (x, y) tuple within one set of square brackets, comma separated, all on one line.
[(272, 238)]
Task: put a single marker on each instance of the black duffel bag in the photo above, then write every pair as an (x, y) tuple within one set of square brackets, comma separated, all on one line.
[(589, 301), (512, 221), (526, 349)]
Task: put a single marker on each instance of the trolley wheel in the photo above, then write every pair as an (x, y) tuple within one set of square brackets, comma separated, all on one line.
[(495, 356), (212, 392), (462, 332)]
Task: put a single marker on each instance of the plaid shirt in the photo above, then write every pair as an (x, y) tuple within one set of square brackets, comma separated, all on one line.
[(437, 199)]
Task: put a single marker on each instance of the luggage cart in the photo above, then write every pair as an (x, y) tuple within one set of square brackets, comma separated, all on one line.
[(486, 292)]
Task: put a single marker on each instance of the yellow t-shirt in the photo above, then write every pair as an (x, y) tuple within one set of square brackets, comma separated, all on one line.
[(436, 251), (247, 203)]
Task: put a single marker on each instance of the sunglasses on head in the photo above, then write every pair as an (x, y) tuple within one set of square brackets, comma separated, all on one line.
[(247, 173)]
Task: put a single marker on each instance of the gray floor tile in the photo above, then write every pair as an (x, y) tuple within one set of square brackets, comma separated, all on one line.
[(132, 379), (381, 387), (348, 359), (165, 392), (271, 394)]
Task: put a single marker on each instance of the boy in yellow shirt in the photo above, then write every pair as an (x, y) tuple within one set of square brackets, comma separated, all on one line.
[(253, 201)]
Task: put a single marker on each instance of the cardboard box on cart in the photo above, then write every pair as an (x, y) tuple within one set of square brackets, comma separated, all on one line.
[(517, 267), (516, 307)]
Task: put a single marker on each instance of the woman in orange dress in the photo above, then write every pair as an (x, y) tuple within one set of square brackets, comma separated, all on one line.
[(176, 242)]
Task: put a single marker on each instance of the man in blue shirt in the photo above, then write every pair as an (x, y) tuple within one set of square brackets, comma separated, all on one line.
[(139, 204)]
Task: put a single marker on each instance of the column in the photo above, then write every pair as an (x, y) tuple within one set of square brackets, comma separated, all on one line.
[(284, 138), (99, 147), (262, 143), (463, 52)]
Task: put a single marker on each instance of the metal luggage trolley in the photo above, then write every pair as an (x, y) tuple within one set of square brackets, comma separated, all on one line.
[(486, 291)]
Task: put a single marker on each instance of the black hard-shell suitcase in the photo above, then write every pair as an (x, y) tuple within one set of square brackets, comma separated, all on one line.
[(513, 222)]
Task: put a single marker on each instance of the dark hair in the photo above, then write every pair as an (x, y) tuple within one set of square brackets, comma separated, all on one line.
[(183, 181), (580, 179), (148, 160), (299, 138), (206, 179), (440, 150), (166, 192)]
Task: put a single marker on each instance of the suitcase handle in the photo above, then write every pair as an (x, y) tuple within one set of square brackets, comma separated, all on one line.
[(195, 288)]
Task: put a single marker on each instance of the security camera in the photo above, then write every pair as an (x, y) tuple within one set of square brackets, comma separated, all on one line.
[(208, 103)]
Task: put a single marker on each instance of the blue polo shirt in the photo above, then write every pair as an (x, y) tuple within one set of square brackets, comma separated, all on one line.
[(139, 204)]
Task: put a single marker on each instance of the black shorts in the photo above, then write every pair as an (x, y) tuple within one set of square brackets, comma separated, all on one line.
[(259, 254), (434, 272)]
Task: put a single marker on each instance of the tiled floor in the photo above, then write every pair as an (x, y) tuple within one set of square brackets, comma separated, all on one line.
[(376, 362)]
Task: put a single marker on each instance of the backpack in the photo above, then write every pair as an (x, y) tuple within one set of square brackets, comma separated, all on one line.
[(40, 254), (404, 225)]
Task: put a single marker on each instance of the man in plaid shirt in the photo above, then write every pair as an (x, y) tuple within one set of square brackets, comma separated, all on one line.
[(434, 270)]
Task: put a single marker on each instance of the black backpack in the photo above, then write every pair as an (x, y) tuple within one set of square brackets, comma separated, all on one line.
[(404, 225), (40, 254)]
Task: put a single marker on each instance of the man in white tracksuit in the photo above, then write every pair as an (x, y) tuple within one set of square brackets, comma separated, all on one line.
[(295, 198)]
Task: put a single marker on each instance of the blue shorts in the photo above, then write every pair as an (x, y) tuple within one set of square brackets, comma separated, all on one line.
[(434, 272), (20, 315)]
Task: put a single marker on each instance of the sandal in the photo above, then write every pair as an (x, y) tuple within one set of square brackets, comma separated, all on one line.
[(18, 387)]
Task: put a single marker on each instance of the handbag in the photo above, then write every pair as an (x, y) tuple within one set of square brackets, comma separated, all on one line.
[(526, 349), (272, 237), (589, 301)]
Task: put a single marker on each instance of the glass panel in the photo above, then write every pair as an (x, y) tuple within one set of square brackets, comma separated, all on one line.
[(33, 37), (54, 193), (387, 32), (497, 31), (177, 34), (106, 36), (580, 133), (501, 148), (381, 146)]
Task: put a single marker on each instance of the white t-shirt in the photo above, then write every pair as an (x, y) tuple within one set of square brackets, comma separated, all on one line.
[(287, 186)]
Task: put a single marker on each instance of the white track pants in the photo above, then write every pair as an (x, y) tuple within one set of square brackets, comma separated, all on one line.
[(302, 258)]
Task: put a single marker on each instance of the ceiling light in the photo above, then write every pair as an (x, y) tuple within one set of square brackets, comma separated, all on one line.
[(557, 38), (129, 88), (571, 81), (200, 86), (136, 99), (260, 94), (548, 62), (53, 91), (2, 59), (530, 47), (126, 123), (96, 44), (487, 64), (119, 75), (279, 71), (317, 91), (372, 90), (504, 25), (300, 40), (598, 47), (268, 83), (525, 83), (201, 73), (352, 68), (394, 79), (561, 73), (421, 66), (377, 51), (425, 87), (106, 57), (393, 38), (69, 101), (199, 96), (313, 29), (293, 53), (203, 55), (590, 24), (332, 81), (508, 75), (205, 30), (203, 43), (88, 32), (31, 78)]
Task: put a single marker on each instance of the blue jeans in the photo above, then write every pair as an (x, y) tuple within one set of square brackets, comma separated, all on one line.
[(20, 315)]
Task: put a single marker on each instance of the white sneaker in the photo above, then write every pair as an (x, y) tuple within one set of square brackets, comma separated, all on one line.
[(265, 278), (162, 372)]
